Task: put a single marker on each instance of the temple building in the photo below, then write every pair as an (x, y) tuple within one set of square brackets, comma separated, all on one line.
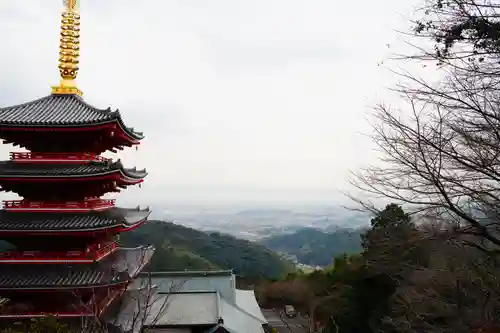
[(64, 260), (190, 302)]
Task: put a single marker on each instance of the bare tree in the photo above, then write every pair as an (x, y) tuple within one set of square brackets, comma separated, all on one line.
[(441, 156), (144, 305), (456, 292), (141, 304), (461, 29)]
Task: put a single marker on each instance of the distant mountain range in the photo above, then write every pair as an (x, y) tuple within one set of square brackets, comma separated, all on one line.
[(316, 247), (199, 239), (183, 248), (257, 223)]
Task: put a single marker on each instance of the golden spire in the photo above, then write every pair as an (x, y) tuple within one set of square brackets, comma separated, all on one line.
[(69, 49)]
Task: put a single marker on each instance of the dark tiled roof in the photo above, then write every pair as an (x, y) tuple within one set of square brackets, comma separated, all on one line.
[(61, 111), (188, 273), (43, 222), (119, 267), (12, 169)]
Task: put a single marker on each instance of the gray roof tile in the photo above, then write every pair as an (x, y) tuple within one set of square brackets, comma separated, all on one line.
[(40, 222), (121, 266), (61, 111), (11, 169)]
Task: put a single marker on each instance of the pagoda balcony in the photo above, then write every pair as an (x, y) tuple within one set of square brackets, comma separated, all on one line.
[(53, 158), (66, 182), (87, 205), (93, 253)]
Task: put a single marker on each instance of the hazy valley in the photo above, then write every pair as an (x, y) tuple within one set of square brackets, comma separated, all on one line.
[(308, 236), (256, 223)]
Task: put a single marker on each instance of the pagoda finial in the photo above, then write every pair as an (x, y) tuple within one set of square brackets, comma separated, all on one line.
[(69, 49)]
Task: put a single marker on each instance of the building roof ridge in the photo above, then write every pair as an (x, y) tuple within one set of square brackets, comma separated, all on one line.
[(194, 273), (243, 310)]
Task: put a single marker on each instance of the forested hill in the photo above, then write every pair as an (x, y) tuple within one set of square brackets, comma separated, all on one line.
[(182, 248), (316, 247)]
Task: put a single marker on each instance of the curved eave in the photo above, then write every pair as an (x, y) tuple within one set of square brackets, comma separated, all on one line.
[(62, 104), (141, 256), (127, 177), (124, 220), (88, 232), (59, 125), (118, 282), (134, 216), (134, 174), (128, 262), (130, 175), (128, 134), (129, 131)]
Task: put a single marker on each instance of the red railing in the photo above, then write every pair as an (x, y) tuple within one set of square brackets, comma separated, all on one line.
[(69, 206), (76, 158), (105, 250), (92, 253)]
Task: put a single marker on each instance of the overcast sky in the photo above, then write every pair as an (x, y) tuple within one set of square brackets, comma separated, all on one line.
[(240, 100)]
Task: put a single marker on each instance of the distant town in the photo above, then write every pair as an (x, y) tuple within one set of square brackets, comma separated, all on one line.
[(255, 224)]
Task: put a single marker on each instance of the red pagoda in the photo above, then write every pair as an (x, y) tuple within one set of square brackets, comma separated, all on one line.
[(65, 261)]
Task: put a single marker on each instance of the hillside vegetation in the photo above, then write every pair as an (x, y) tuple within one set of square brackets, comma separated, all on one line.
[(182, 248), (316, 247), (409, 278)]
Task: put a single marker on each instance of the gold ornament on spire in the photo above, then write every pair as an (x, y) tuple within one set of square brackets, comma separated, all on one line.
[(69, 49)]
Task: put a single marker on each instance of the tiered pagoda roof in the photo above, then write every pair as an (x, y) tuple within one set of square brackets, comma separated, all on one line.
[(64, 259), (33, 223), (36, 180), (61, 111), (10, 169), (70, 116), (118, 268)]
